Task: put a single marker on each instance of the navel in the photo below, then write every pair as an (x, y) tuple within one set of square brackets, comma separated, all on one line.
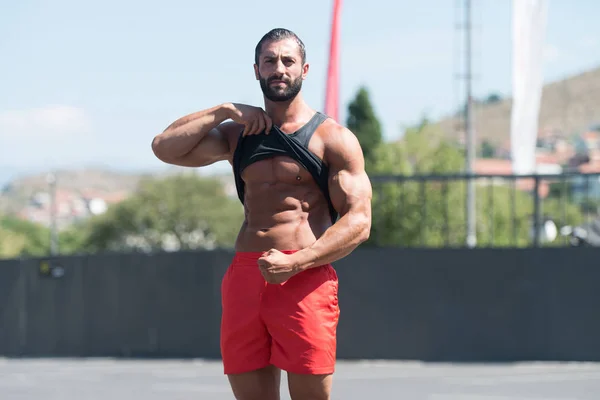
[(298, 178)]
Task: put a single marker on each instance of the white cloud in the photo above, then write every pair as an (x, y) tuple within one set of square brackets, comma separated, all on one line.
[(51, 122), (44, 136)]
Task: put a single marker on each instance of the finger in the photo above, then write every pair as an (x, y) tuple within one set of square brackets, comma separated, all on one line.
[(269, 123), (257, 126), (263, 118), (263, 123), (260, 125), (250, 128)]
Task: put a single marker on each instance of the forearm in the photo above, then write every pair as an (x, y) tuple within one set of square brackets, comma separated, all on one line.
[(184, 134), (336, 243)]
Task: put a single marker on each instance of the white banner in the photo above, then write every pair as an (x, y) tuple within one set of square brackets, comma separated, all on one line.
[(529, 31)]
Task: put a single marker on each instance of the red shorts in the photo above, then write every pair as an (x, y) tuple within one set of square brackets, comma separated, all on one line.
[(290, 325)]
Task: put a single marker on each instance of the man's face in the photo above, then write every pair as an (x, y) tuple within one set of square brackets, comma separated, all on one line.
[(280, 70)]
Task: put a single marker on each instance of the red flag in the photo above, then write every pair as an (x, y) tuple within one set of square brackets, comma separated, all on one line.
[(333, 73)]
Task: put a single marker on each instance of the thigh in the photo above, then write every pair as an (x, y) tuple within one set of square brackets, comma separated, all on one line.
[(309, 387), (302, 317), (262, 384), (245, 342)]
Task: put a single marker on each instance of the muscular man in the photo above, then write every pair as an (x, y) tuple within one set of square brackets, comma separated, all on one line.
[(307, 199)]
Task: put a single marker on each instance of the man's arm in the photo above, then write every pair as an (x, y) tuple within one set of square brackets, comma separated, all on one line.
[(200, 139), (194, 140), (351, 193)]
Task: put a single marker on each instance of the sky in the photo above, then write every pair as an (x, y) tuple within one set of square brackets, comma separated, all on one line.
[(89, 84)]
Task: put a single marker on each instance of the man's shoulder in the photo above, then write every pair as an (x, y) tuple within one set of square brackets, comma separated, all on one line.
[(339, 142), (331, 126), (335, 134), (330, 131)]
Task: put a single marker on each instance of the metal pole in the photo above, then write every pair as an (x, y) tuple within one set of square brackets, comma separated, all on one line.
[(537, 216), (470, 150), (53, 231)]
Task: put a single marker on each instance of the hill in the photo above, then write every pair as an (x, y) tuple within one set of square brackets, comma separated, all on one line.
[(568, 107), (18, 193), (78, 191)]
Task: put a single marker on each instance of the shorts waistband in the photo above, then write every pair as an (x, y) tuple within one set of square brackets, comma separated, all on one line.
[(249, 258)]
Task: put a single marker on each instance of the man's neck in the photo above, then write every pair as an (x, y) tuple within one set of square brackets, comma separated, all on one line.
[(295, 110)]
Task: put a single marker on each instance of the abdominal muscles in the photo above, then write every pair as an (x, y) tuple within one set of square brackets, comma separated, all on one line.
[(285, 209)]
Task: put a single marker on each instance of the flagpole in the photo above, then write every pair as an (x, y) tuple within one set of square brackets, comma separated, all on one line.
[(470, 139), (333, 69)]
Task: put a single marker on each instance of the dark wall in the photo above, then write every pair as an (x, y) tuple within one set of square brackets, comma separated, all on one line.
[(434, 305), (471, 305)]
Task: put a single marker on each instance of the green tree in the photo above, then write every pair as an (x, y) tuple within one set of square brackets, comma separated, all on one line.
[(492, 98), (399, 207), (412, 212), (21, 238), (181, 212), (487, 149), (363, 122), (11, 243), (26, 238), (72, 239)]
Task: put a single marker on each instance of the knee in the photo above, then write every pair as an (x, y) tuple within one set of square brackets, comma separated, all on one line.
[(264, 393), (310, 387), (256, 396), (261, 384), (307, 395)]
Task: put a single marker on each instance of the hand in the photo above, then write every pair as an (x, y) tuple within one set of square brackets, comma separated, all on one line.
[(276, 267), (254, 119)]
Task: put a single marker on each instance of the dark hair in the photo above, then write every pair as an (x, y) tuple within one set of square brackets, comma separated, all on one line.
[(275, 35)]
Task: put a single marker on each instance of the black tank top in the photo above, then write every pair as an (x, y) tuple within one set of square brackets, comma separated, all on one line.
[(254, 148)]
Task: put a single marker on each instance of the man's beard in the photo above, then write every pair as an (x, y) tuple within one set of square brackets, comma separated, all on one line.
[(288, 92)]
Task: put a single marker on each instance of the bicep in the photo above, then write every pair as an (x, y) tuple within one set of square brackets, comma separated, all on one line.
[(350, 191), (213, 147), (349, 185)]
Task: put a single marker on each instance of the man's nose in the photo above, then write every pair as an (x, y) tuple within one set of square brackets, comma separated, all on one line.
[(279, 67)]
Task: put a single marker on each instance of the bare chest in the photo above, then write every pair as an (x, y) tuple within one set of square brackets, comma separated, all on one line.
[(283, 168), (279, 169)]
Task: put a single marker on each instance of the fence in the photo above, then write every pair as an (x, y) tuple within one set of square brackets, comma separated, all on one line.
[(433, 305), (511, 210)]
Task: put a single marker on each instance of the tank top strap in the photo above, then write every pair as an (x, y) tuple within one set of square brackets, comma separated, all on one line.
[(306, 132)]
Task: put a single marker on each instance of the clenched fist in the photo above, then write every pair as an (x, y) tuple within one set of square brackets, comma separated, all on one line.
[(276, 267)]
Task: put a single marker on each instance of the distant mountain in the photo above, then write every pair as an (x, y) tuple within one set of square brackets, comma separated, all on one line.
[(20, 188), (568, 107), (101, 180), (18, 192)]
